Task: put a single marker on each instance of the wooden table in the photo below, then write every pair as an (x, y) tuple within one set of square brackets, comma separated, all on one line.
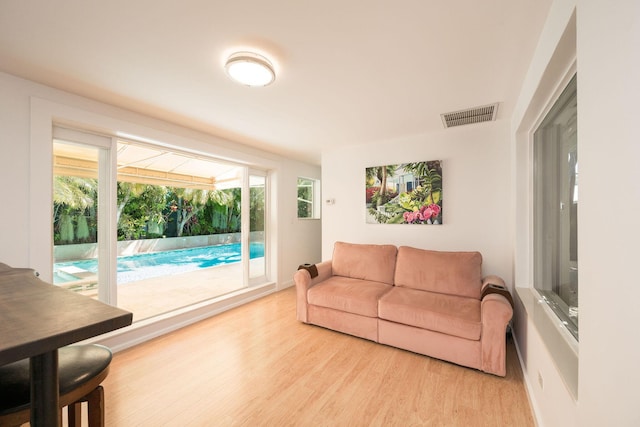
[(36, 319)]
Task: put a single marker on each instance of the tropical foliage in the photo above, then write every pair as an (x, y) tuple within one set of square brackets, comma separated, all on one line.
[(149, 211), (74, 201), (305, 198)]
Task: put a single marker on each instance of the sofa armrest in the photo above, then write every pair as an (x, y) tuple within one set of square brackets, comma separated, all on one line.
[(496, 312), (492, 280), (495, 285), (303, 282)]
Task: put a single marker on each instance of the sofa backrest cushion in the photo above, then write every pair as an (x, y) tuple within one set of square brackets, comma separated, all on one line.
[(369, 262), (453, 273)]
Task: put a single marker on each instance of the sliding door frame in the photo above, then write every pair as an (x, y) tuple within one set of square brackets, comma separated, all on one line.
[(106, 205)]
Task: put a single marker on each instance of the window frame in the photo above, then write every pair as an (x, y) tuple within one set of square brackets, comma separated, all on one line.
[(548, 208), (107, 189), (315, 197), (46, 114)]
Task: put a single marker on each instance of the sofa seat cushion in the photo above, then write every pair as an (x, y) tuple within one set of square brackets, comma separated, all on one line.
[(448, 314), (350, 295)]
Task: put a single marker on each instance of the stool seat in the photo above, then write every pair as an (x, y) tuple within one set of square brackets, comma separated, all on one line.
[(81, 368)]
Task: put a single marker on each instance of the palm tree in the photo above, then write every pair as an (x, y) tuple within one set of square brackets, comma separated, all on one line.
[(74, 192), (190, 201), (381, 173), (127, 191), (72, 196)]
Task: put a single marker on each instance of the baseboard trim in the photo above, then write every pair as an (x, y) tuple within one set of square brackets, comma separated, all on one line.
[(528, 387)]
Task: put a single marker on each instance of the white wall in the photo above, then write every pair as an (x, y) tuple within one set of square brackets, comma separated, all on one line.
[(14, 172), (475, 168), (303, 236), (609, 231), (553, 60), (608, 65), (296, 241)]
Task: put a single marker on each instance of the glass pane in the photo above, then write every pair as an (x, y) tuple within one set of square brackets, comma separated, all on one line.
[(305, 198), (179, 229), (75, 219), (257, 265), (556, 208)]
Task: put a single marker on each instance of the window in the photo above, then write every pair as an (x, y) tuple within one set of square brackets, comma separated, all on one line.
[(555, 210), (308, 193)]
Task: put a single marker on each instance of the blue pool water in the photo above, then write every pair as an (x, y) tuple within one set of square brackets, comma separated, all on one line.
[(144, 266)]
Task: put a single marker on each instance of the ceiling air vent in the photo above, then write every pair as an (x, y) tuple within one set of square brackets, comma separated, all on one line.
[(486, 113)]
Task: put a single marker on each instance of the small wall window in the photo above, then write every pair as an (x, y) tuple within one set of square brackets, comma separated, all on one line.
[(555, 212), (308, 198)]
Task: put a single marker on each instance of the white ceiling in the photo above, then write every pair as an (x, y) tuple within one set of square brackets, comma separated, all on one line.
[(348, 71)]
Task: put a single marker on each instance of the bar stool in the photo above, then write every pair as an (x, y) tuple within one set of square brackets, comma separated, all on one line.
[(81, 369)]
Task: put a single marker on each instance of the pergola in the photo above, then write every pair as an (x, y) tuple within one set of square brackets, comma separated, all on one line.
[(148, 165)]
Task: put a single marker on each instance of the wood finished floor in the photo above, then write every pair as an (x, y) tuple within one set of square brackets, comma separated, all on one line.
[(256, 365)]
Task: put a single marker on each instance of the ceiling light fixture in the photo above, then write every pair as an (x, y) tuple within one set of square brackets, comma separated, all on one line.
[(250, 69)]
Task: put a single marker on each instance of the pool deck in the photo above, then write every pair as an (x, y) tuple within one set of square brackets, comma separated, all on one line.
[(151, 297)]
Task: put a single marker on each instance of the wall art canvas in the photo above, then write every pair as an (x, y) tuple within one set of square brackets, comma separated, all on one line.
[(406, 193)]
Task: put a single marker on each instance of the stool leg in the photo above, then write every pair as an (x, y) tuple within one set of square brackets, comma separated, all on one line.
[(96, 407), (74, 414)]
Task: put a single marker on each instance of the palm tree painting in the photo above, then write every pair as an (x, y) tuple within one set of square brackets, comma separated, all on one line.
[(406, 193)]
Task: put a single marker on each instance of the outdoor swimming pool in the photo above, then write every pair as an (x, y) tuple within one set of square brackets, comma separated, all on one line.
[(144, 266)]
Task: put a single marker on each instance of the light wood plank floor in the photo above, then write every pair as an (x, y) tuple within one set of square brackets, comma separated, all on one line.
[(256, 365)]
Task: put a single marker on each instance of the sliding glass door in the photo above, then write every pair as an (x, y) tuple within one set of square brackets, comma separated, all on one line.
[(179, 228), (153, 229), (82, 250)]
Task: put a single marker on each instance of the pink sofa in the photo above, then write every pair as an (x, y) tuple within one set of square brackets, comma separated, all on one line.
[(429, 302)]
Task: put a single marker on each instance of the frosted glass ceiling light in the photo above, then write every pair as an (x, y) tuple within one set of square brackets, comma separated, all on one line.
[(250, 69)]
